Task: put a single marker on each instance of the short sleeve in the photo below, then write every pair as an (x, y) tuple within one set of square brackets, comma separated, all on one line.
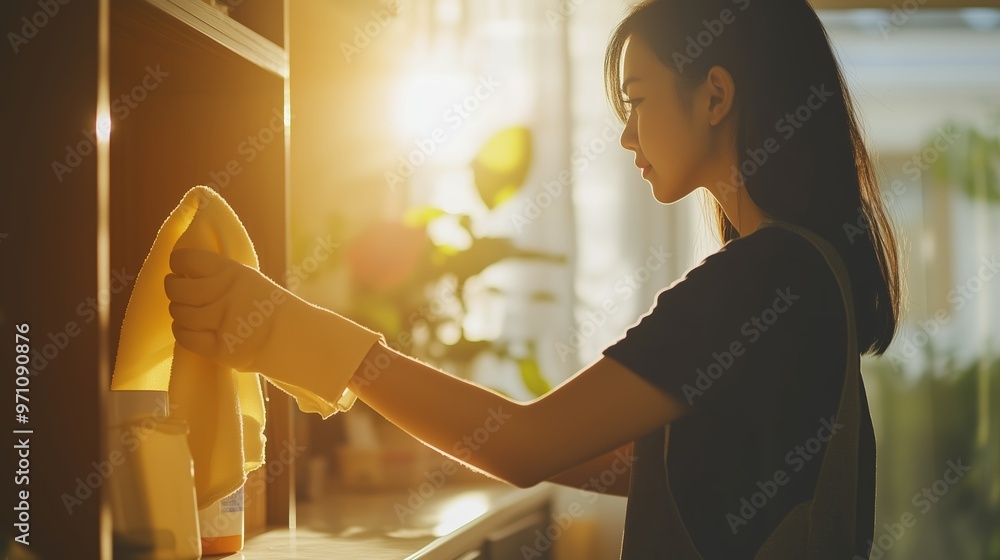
[(696, 341)]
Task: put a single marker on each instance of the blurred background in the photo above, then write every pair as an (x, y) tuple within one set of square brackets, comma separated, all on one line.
[(487, 220)]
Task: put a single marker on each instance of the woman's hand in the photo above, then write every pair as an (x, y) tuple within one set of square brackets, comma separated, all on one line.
[(237, 317), (222, 309)]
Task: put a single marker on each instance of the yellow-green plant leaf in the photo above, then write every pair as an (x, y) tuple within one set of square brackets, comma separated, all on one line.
[(532, 377), (420, 216), (502, 164)]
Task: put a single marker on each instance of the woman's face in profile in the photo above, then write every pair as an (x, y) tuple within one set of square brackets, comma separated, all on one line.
[(668, 149)]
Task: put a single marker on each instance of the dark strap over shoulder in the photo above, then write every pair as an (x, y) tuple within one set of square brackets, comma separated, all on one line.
[(824, 529), (832, 523)]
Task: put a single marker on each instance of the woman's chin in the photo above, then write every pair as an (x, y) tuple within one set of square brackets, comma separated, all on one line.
[(665, 196), (667, 192)]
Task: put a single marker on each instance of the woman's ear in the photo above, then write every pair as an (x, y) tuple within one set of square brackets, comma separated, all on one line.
[(720, 91)]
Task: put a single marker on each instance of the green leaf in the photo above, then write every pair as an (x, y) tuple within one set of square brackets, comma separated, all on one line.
[(532, 377), (968, 164), (484, 252), (420, 216), (502, 165), (465, 350)]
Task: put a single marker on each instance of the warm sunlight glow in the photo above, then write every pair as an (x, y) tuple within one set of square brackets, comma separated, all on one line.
[(453, 193), (446, 231), (449, 11), (461, 511), (103, 126), (421, 103)]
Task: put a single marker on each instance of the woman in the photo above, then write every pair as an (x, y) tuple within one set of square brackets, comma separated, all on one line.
[(743, 358)]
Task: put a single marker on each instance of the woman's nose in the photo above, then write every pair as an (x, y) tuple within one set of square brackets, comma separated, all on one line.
[(629, 138)]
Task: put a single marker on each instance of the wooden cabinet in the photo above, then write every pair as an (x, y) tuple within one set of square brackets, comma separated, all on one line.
[(113, 110)]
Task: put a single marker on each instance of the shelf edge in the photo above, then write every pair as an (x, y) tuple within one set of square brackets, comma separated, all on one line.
[(228, 32)]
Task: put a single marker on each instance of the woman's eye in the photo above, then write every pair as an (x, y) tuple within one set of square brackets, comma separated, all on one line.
[(630, 105)]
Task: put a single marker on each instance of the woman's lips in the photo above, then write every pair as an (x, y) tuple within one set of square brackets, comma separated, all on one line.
[(645, 170)]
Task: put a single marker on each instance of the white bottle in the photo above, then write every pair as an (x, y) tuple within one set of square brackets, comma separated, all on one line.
[(151, 487), (222, 525)]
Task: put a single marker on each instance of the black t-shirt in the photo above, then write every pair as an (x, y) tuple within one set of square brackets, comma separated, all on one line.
[(754, 339)]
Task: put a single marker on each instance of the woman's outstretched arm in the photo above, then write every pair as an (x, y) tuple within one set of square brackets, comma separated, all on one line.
[(313, 352), (599, 409)]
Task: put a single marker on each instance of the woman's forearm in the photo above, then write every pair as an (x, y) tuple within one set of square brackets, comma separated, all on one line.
[(475, 425), (595, 411), (608, 474)]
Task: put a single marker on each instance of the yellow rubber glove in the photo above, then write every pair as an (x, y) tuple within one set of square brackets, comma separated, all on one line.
[(237, 317)]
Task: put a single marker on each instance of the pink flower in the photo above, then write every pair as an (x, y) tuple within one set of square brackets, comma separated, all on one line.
[(387, 254)]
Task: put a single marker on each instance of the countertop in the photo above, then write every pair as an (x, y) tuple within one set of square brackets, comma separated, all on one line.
[(402, 524)]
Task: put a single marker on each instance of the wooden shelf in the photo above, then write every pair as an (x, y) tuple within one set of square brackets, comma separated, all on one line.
[(228, 32), (192, 96)]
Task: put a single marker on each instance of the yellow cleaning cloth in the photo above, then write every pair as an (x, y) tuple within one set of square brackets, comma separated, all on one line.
[(224, 408)]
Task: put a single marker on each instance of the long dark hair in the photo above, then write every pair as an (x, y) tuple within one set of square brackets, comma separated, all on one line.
[(790, 93)]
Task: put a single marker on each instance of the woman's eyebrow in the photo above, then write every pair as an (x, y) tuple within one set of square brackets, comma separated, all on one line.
[(627, 81)]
